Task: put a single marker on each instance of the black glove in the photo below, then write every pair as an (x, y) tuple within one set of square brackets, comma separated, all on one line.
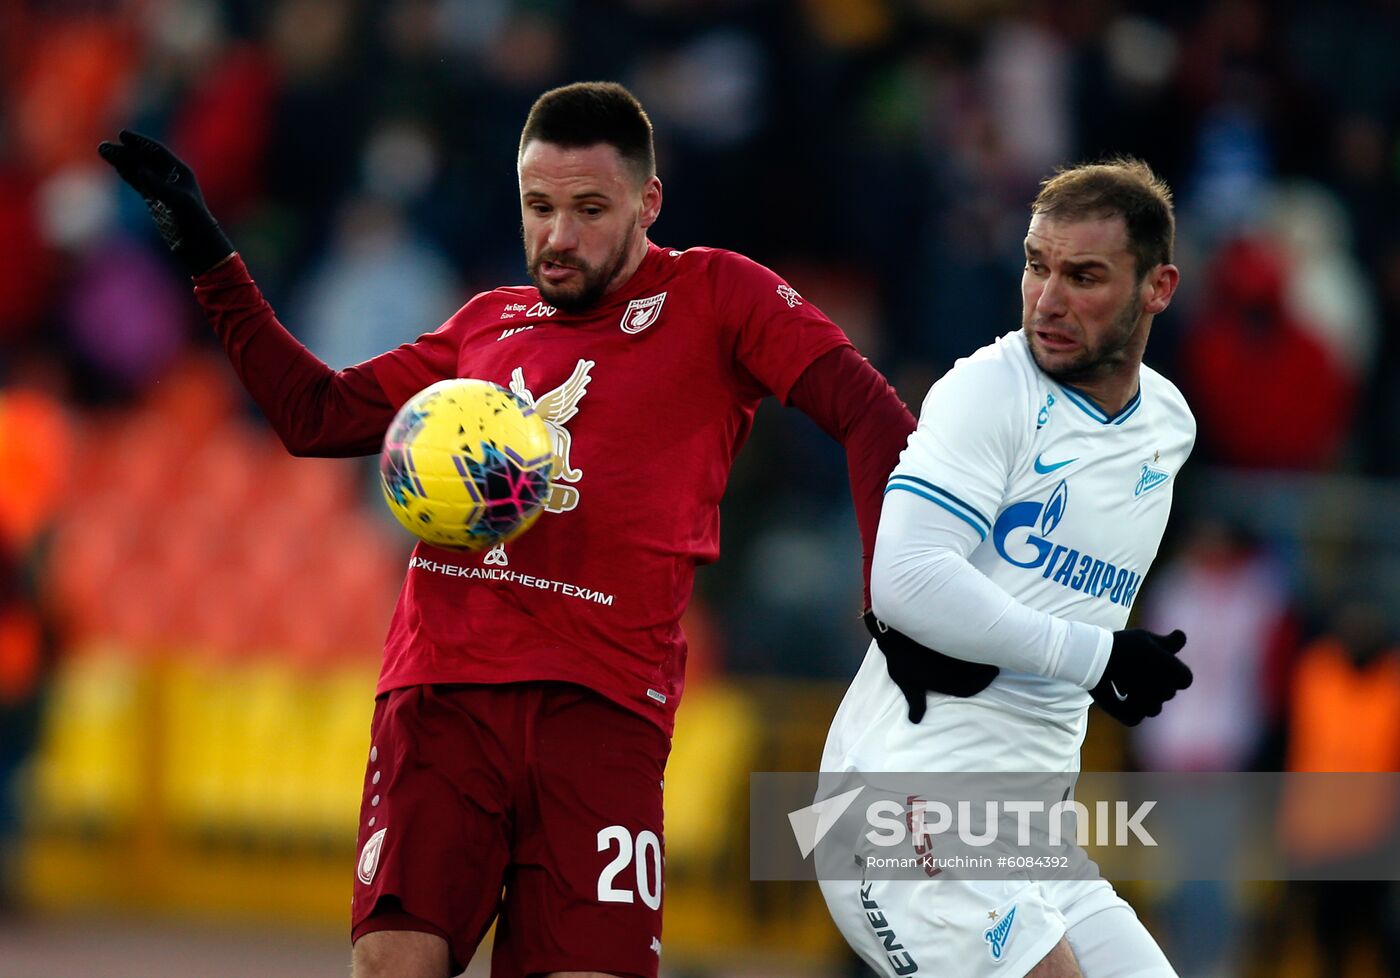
[(1143, 672), (917, 670), (173, 196)]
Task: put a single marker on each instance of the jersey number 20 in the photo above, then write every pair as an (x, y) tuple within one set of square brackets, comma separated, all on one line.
[(648, 852)]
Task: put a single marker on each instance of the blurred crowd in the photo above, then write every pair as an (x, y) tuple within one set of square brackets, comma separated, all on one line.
[(880, 154)]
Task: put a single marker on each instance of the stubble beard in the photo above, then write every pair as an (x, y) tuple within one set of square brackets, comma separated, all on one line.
[(596, 278), (1092, 362)]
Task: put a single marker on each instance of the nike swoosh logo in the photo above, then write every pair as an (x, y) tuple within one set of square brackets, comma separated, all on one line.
[(1114, 686), (1045, 469)]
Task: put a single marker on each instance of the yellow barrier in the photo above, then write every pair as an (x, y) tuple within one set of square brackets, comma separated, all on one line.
[(230, 790)]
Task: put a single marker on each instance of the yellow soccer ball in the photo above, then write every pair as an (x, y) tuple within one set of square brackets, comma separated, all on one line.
[(466, 465)]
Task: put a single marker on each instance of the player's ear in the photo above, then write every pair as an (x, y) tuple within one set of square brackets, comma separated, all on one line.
[(1159, 286), (651, 202)]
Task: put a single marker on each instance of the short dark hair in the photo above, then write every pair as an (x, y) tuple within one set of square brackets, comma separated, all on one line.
[(1122, 187), (588, 113)]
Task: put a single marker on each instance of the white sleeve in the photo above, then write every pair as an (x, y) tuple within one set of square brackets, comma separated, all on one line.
[(951, 478), (921, 584)]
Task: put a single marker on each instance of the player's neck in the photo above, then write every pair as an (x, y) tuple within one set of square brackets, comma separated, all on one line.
[(636, 256), (1116, 382), (1113, 392)]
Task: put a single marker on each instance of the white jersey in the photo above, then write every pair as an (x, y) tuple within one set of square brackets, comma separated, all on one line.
[(1062, 509)]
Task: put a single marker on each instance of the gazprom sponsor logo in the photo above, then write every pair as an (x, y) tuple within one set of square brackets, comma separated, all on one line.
[(1054, 509), (1021, 536)]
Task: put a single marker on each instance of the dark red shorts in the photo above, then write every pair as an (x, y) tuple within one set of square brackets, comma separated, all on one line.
[(540, 802)]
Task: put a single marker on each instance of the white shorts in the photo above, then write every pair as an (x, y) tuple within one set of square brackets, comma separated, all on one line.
[(969, 928), (871, 731), (991, 928)]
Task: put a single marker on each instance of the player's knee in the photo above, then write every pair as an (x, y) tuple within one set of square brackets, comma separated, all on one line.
[(399, 954)]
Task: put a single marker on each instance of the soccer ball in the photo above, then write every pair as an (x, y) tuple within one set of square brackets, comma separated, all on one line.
[(466, 465)]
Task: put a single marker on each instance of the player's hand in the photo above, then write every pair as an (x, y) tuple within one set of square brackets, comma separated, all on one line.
[(1143, 672), (918, 670), (172, 194)]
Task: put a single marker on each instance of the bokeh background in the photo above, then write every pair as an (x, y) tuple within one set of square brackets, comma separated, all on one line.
[(190, 620)]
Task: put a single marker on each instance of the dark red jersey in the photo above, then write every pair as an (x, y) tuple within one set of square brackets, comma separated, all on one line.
[(648, 396)]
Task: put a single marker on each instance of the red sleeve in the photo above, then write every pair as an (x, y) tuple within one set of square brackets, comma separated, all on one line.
[(774, 332), (314, 410), (406, 370), (853, 403)]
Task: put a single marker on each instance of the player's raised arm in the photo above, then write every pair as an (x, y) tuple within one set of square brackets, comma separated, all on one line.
[(314, 409), (171, 192)]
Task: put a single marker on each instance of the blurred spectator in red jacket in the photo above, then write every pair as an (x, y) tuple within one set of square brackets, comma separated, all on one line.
[(1267, 391)]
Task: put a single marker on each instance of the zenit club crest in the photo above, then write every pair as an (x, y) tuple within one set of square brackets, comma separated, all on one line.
[(1149, 479), (998, 936), (641, 313)]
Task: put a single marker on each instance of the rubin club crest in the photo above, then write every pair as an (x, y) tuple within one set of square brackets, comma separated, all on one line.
[(641, 313)]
